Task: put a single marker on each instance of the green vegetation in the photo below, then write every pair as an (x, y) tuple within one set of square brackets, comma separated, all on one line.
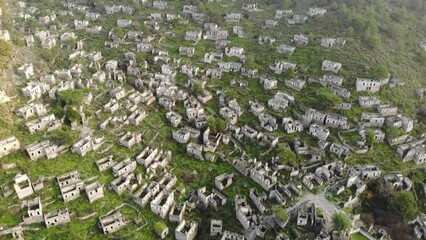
[(370, 137), (319, 212), (71, 115), (197, 89), (5, 48), (63, 136), (326, 98), (377, 208), (72, 97), (216, 125), (159, 227), (5, 51), (286, 155), (358, 236), (281, 214), (340, 222), (290, 73), (352, 138), (47, 55), (394, 132), (120, 32), (380, 72), (20, 42), (406, 204)]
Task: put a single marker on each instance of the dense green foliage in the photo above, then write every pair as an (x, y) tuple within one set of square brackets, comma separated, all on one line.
[(72, 97), (5, 48), (281, 214), (5, 52), (71, 115), (340, 222), (160, 227), (370, 137), (216, 125), (63, 136), (286, 155), (358, 236), (380, 72), (197, 89), (406, 204), (394, 132), (47, 55), (326, 98)]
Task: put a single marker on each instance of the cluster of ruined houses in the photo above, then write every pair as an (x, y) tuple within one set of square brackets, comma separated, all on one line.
[(346, 182), (70, 185), (191, 128)]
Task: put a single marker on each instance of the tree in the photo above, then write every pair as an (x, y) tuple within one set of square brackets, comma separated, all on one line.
[(371, 36), (343, 9), (340, 222), (374, 41), (394, 132), (405, 203), (381, 71), (71, 97), (367, 34), (32, 23), (326, 98), (216, 125), (416, 5), (20, 42), (197, 89), (47, 55), (72, 115), (383, 189), (370, 137), (353, 138), (396, 31), (64, 136), (286, 156)]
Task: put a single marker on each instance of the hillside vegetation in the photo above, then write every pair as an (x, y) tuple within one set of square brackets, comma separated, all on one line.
[(383, 39)]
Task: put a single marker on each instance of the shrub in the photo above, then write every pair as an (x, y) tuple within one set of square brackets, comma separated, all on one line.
[(405, 203), (71, 97), (286, 155), (326, 98), (216, 125), (340, 222), (281, 214), (5, 48)]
